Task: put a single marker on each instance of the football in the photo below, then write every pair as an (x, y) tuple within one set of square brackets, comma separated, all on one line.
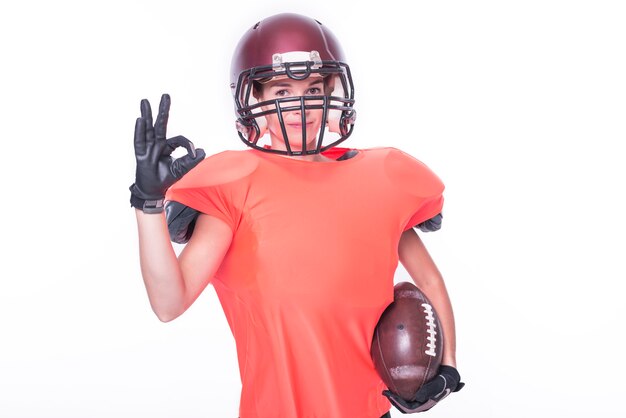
[(407, 346)]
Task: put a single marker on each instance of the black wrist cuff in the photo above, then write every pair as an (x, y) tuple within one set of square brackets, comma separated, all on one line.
[(147, 206), (454, 376)]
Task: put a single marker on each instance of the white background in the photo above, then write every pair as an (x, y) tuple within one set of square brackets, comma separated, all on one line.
[(518, 106)]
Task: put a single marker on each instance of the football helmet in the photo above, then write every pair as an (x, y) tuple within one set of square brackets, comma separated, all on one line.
[(292, 46)]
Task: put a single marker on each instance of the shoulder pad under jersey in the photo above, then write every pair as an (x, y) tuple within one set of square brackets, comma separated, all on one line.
[(411, 175), (215, 170), (222, 168)]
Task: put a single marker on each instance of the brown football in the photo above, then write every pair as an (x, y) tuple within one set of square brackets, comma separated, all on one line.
[(408, 342)]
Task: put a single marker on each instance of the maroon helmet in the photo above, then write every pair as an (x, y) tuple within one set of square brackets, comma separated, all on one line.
[(292, 46)]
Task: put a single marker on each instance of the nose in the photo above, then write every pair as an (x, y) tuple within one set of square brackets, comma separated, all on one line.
[(298, 107)]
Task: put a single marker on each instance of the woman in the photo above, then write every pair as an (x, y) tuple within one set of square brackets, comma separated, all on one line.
[(300, 238)]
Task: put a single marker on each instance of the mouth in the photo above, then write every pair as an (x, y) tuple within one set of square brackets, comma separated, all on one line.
[(298, 124)]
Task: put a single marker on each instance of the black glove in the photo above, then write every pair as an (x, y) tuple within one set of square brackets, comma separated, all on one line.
[(156, 169), (448, 380)]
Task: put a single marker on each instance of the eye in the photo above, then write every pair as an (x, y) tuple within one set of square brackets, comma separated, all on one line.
[(281, 93), (314, 91)]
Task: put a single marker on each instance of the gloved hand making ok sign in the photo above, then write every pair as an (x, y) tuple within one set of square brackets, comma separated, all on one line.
[(156, 169)]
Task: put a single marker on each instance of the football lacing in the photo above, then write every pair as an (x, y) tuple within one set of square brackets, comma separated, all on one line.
[(431, 346)]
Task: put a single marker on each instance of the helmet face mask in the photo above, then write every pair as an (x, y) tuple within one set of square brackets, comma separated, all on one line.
[(277, 48)]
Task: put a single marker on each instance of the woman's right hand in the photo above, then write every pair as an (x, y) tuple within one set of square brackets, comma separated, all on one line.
[(156, 169)]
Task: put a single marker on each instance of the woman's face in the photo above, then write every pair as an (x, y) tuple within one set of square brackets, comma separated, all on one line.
[(284, 88)]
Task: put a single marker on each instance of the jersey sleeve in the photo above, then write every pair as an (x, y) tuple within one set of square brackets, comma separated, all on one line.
[(422, 188), (215, 186)]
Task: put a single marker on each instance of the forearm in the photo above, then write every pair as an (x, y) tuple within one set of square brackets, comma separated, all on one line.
[(422, 269), (160, 269)]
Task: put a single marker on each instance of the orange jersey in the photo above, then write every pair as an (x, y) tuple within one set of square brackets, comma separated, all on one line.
[(310, 270)]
